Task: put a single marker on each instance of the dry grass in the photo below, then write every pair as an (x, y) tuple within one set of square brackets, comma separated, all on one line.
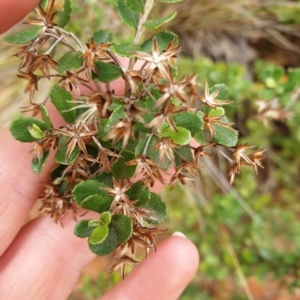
[(221, 28)]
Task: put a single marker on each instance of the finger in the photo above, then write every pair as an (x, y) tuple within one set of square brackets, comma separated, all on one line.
[(164, 275), (19, 186), (12, 11), (43, 262)]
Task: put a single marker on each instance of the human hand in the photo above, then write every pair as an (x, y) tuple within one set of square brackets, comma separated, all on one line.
[(43, 261)]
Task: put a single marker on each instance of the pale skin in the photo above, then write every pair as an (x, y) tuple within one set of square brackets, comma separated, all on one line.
[(41, 260)]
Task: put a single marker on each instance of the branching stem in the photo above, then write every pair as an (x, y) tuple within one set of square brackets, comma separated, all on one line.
[(71, 35)]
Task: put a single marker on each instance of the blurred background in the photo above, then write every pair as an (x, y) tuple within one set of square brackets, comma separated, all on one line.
[(248, 235)]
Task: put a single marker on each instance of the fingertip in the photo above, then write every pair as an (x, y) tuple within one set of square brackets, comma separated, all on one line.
[(164, 275)]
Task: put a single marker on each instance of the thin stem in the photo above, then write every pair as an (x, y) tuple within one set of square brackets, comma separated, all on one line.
[(107, 87), (63, 42), (54, 44), (147, 144), (147, 9), (71, 35), (148, 92)]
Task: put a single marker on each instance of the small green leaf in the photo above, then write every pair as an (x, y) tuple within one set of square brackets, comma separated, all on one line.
[(163, 39), (190, 121), (97, 203), (138, 192), (181, 137), (36, 132), (125, 50), (136, 5), (23, 37), (94, 223), (225, 136), (85, 189), (107, 246), (64, 103), (154, 24), (117, 115), (82, 229), (107, 72), (98, 235), (157, 209), (128, 16), (218, 111), (61, 153), (37, 165), (102, 36), (104, 178), (122, 226), (119, 169), (183, 152), (20, 129), (63, 16), (200, 137), (45, 116), (223, 91), (106, 217), (70, 61)]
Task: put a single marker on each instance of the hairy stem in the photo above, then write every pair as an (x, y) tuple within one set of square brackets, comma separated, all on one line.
[(139, 31)]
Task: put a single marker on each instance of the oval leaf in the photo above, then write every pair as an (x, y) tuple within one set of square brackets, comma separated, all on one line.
[(128, 16), (23, 37), (163, 39), (122, 226), (106, 217), (138, 192), (193, 122), (157, 209), (20, 129), (154, 24), (63, 16), (225, 136), (125, 49), (102, 36), (107, 72), (82, 229), (107, 246), (36, 132), (98, 235), (70, 61), (136, 5), (119, 169), (97, 203), (85, 189), (223, 91), (181, 137), (64, 103)]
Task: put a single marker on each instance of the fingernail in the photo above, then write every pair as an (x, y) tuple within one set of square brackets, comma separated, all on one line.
[(178, 233)]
